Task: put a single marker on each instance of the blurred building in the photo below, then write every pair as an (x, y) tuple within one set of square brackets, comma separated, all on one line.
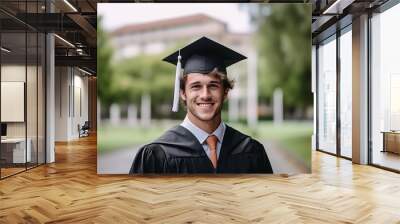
[(158, 36), (167, 35)]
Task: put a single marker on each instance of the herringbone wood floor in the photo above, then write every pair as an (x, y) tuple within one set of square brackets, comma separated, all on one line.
[(70, 191)]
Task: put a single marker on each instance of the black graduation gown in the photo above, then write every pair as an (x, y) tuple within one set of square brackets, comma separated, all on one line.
[(179, 152)]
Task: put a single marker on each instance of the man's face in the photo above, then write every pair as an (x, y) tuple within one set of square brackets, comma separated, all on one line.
[(204, 96)]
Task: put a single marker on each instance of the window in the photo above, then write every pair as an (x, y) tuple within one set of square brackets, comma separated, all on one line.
[(346, 93), (327, 95), (385, 88)]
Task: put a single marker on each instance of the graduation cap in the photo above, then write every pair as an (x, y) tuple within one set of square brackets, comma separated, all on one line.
[(202, 56)]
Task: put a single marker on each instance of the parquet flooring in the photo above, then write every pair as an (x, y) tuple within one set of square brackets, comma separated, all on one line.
[(9, 171), (70, 191)]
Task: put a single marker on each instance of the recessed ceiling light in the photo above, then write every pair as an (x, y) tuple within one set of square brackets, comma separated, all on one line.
[(5, 50), (71, 6), (337, 7), (84, 71), (64, 40)]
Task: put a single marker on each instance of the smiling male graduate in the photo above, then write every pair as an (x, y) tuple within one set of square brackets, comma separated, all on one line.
[(202, 143)]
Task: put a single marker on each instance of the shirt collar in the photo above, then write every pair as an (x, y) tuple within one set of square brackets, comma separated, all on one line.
[(200, 134)]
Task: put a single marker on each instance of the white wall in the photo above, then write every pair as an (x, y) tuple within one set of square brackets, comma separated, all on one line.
[(62, 82), (17, 73), (32, 104), (71, 94), (11, 73), (79, 115)]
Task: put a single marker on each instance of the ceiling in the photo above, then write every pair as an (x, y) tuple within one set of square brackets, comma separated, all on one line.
[(75, 21), (332, 15)]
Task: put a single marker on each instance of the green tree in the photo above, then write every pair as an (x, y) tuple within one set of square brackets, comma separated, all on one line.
[(284, 43), (104, 67), (144, 74)]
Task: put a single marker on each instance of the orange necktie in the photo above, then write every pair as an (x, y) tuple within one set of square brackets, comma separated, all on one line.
[(212, 145)]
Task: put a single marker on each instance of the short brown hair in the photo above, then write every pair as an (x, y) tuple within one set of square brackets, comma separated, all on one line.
[(227, 84)]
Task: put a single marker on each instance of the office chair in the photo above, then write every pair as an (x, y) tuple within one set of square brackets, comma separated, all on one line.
[(84, 130)]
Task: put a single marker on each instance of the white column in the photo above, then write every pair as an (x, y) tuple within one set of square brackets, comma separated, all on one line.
[(132, 114), (115, 114), (360, 90), (252, 89), (98, 112), (50, 99), (233, 107), (233, 99), (278, 106), (145, 110)]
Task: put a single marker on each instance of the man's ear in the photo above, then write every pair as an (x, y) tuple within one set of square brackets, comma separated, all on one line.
[(226, 94), (182, 94)]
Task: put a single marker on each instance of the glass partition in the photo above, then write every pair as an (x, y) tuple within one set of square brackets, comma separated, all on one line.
[(22, 92), (32, 90), (31, 99), (327, 95), (346, 93), (13, 105), (385, 89)]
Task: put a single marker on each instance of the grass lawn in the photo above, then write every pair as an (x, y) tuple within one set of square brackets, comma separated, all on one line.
[(292, 135), (110, 138)]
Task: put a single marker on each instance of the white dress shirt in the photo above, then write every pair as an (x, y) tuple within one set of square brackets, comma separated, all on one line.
[(202, 136)]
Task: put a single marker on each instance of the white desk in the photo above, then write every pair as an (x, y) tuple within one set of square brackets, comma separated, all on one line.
[(19, 149)]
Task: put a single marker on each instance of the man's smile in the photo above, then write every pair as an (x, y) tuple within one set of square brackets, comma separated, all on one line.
[(205, 104)]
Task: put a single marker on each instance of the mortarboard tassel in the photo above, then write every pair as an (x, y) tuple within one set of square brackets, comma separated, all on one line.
[(175, 105)]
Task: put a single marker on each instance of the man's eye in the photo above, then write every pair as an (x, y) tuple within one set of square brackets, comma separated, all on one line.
[(214, 86), (195, 87)]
